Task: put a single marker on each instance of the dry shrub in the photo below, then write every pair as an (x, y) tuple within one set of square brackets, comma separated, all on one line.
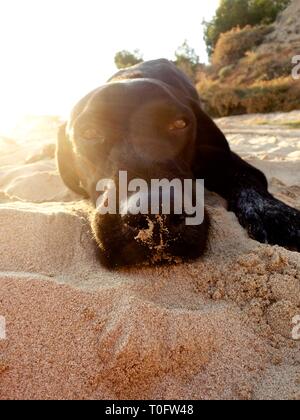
[(260, 81), (233, 45), (282, 94)]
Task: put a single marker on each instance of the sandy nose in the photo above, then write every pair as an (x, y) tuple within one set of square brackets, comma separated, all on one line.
[(138, 215), (153, 203), (139, 203)]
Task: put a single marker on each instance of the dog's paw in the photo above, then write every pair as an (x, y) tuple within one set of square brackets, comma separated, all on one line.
[(267, 219)]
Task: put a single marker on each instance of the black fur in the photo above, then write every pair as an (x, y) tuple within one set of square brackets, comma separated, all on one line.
[(130, 115)]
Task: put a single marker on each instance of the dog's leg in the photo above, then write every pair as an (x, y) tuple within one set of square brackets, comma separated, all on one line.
[(266, 219)]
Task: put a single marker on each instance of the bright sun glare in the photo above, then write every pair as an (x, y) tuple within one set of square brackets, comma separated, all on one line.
[(55, 51)]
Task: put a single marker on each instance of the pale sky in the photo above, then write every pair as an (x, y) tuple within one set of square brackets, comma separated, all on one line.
[(53, 52)]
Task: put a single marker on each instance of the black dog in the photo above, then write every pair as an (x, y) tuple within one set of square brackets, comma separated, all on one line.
[(147, 120)]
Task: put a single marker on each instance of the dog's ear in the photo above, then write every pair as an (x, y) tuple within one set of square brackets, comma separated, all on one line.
[(208, 134), (65, 162), (212, 151)]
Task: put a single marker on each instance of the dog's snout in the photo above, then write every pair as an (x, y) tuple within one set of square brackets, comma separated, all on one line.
[(135, 204), (151, 225), (137, 222), (132, 238), (177, 220), (158, 230), (158, 224)]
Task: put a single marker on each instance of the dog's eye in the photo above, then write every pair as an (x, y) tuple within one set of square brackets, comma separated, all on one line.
[(178, 125), (91, 134)]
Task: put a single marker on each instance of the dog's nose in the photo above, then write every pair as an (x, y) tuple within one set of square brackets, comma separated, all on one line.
[(153, 203), (156, 229), (136, 204), (150, 223), (130, 237)]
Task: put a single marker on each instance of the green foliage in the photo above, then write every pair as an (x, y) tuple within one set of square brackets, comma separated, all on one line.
[(233, 13), (187, 60), (125, 58)]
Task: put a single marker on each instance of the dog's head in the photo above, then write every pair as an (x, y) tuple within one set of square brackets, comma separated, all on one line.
[(149, 131)]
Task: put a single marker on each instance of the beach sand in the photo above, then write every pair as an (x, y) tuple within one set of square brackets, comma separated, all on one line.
[(218, 328)]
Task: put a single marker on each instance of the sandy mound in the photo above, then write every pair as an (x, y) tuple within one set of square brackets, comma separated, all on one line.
[(218, 328)]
